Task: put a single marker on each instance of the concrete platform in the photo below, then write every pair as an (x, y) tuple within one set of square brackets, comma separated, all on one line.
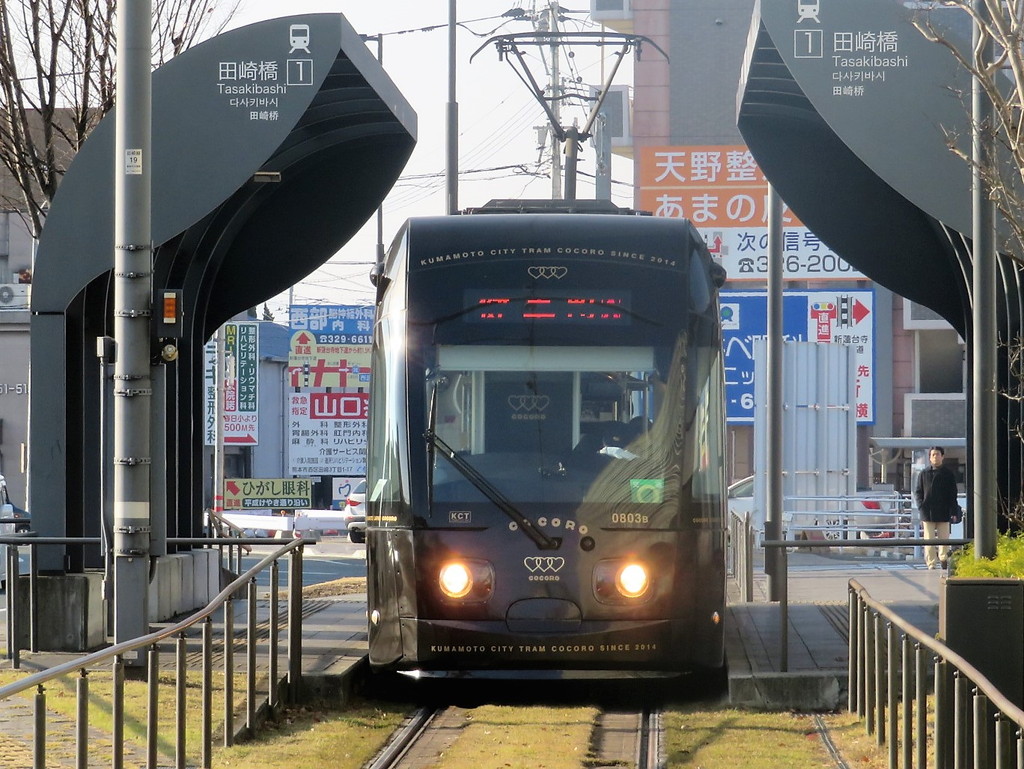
[(815, 676)]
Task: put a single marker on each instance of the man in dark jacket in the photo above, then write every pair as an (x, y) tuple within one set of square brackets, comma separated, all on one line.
[(936, 499)]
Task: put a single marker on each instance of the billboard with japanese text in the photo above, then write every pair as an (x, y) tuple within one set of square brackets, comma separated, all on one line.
[(828, 317), (241, 386), (723, 192), (329, 373)]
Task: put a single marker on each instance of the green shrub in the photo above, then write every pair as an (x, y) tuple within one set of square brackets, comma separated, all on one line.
[(1008, 562)]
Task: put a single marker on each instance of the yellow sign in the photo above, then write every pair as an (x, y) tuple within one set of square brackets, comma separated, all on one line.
[(253, 493)]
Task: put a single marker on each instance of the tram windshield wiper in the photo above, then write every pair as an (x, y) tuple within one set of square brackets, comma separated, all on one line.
[(485, 487)]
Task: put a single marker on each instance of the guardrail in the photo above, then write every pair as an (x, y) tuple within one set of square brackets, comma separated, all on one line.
[(975, 725), (740, 554), (783, 576), (116, 655)]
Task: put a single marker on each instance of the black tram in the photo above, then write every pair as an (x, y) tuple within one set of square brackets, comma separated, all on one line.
[(545, 482)]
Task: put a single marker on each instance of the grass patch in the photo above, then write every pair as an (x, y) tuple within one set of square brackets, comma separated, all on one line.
[(536, 737), (337, 587), (698, 736), (314, 736), (61, 703)]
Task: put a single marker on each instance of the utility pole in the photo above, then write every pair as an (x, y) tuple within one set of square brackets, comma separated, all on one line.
[(452, 166), (555, 97), (133, 299)]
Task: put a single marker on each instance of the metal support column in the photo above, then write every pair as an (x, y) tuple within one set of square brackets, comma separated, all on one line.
[(773, 397), (984, 500), (132, 309)]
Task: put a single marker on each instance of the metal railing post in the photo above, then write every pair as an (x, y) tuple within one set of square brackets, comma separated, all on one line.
[(229, 673), (207, 747), (853, 661), (869, 671), (13, 626), (82, 719), (945, 706), (980, 730), (33, 599), (959, 721), (879, 681), (39, 731), (117, 712), (921, 712), (294, 624), (909, 670), (250, 660), (275, 619), (783, 592), (153, 712), (180, 699)]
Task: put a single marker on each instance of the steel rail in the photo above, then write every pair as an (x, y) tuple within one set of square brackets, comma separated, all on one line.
[(405, 738)]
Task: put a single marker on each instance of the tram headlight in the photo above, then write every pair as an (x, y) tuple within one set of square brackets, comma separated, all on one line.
[(455, 579), (466, 580), (632, 580), (622, 581)]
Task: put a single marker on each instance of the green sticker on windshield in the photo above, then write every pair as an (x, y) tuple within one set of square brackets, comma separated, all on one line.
[(646, 490)]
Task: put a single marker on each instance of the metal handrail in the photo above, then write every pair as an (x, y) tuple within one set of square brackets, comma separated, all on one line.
[(872, 693), (783, 576), (118, 653)]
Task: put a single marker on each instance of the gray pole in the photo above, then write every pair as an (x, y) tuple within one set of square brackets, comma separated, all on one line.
[(984, 494), (773, 397), (452, 166), (572, 145), (132, 308), (556, 107), (603, 144)]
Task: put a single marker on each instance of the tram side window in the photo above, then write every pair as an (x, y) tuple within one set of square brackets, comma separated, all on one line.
[(384, 477)]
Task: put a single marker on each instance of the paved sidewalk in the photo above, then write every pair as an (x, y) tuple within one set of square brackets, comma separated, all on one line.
[(817, 627)]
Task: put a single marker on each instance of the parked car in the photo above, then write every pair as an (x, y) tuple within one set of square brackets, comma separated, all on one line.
[(741, 496), (355, 512)]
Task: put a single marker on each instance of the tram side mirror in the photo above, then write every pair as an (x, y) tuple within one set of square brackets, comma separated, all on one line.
[(379, 281), (718, 274)]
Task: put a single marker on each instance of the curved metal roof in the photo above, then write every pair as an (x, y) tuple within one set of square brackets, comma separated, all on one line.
[(314, 110)]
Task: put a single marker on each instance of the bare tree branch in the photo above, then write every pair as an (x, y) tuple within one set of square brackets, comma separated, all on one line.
[(1002, 24), (57, 80)]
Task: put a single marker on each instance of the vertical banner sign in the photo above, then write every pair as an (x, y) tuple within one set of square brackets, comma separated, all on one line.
[(241, 386), (826, 317), (329, 373)]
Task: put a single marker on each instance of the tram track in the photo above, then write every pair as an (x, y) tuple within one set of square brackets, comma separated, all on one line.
[(619, 738)]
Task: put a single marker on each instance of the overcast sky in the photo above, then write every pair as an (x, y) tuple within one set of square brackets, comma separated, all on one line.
[(497, 116)]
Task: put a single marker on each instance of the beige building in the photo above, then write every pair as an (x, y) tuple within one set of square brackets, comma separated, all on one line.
[(689, 100)]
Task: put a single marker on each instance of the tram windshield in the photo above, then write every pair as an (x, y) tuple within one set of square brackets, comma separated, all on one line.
[(557, 424)]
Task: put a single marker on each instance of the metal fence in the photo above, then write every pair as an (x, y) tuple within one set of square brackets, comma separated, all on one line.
[(258, 701), (891, 661)]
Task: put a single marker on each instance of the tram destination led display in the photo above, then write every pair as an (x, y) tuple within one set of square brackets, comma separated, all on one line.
[(585, 308)]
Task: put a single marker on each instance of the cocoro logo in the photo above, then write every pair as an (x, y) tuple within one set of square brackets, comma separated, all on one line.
[(528, 402), (544, 564), (545, 272)]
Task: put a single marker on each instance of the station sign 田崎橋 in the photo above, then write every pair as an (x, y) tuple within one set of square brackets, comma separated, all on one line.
[(329, 373), (724, 193), (830, 317)]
